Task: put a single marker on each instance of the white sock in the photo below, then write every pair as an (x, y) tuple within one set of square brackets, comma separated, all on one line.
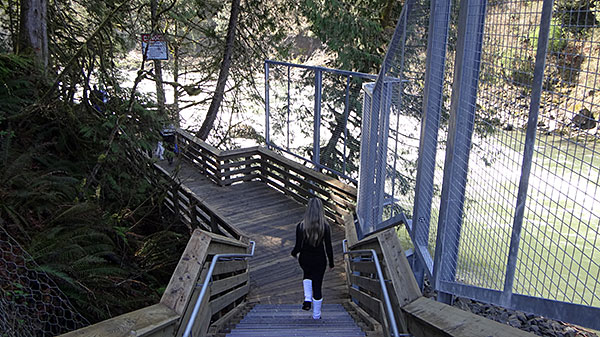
[(307, 284), (317, 308)]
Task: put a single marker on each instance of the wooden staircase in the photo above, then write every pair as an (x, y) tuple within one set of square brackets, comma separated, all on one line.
[(230, 197), (280, 320)]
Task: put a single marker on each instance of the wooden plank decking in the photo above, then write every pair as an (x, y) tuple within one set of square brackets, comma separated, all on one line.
[(269, 218)]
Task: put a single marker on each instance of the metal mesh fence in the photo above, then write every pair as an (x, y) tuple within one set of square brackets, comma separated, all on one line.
[(390, 123), (435, 134), (495, 158), (505, 185), (559, 257), (31, 305), (405, 112)]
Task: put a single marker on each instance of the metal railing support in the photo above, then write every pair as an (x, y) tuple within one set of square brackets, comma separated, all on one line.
[(386, 296), (534, 107), (267, 112), (317, 120), (285, 144), (215, 259), (432, 105), (462, 116)]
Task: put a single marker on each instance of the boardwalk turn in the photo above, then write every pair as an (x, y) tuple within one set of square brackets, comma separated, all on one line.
[(269, 218)]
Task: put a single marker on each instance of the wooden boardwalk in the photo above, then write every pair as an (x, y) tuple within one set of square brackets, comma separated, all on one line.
[(269, 218)]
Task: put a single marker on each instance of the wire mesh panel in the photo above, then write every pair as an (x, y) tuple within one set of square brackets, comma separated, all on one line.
[(434, 130), (527, 234), (559, 257), (405, 113), (494, 166), (506, 181), (380, 180), (31, 305)]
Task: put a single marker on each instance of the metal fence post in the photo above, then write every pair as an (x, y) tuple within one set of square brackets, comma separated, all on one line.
[(288, 108), (534, 107), (365, 174), (432, 104), (371, 179), (317, 120), (267, 131), (462, 114), (346, 108)]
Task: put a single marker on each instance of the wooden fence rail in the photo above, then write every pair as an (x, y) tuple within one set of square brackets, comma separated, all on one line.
[(416, 315), (256, 163), (226, 294), (193, 211)]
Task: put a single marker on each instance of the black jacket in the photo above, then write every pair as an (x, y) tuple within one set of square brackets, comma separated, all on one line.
[(316, 251)]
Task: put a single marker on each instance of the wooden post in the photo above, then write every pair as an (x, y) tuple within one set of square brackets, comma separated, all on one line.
[(194, 223), (175, 192), (187, 272), (214, 226)]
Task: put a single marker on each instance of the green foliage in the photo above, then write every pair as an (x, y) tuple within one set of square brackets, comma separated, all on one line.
[(557, 39), (517, 67), (578, 16), (74, 191), (355, 31)]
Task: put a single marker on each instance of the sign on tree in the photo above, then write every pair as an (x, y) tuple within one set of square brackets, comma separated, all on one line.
[(154, 47)]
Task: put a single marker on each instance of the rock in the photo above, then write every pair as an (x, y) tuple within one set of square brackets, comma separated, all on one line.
[(514, 321), (521, 316), (584, 120)]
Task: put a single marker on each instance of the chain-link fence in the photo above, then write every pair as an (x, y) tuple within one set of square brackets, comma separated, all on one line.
[(31, 305), (490, 138)]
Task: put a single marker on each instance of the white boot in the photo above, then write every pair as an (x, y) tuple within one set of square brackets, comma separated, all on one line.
[(307, 294), (307, 290), (317, 308)]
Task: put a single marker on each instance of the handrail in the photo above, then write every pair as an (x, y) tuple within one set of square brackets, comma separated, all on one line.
[(386, 296), (217, 257), (325, 69)]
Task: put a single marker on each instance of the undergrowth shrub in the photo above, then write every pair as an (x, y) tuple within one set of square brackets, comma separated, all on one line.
[(75, 192)]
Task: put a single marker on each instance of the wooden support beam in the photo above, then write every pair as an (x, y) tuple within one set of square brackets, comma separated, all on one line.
[(153, 321), (426, 317), (187, 272), (397, 267)]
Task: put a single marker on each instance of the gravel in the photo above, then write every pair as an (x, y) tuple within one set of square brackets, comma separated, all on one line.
[(538, 325)]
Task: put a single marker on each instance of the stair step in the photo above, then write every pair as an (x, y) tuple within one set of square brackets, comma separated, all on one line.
[(280, 320)]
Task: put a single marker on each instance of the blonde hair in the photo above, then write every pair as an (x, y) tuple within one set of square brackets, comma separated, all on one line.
[(314, 222)]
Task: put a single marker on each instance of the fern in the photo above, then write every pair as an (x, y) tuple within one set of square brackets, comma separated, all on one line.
[(48, 196)]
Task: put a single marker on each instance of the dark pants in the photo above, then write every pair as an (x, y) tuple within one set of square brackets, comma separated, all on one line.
[(314, 270)]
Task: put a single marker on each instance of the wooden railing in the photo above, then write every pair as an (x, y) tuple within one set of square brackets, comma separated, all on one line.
[(256, 163), (226, 294), (415, 314), (193, 211), (363, 284)]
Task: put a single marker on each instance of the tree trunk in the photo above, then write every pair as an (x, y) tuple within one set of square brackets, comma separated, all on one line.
[(328, 154), (176, 78), (33, 32), (160, 90), (211, 114)]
